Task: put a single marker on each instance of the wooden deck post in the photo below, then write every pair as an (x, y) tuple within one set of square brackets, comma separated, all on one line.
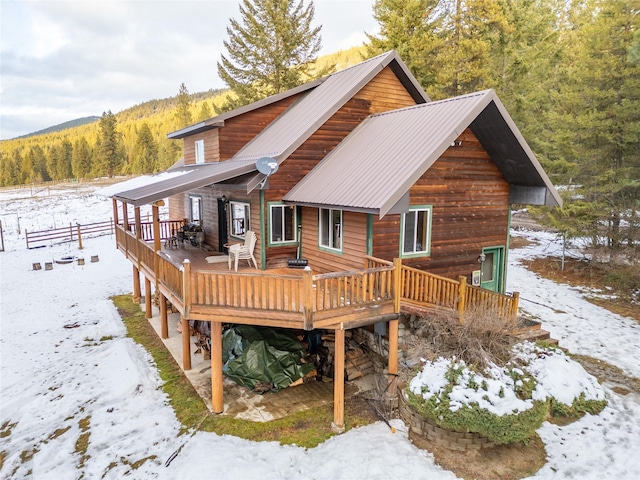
[(147, 298), (136, 284), (115, 211), (338, 384), (156, 228), (125, 216), (137, 220), (217, 389), (186, 331), (393, 347), (164, 320), (186, 343), (462, 297), (307, 288), (397, 283)]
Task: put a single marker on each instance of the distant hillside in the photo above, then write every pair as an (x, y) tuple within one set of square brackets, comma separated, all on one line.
[(63, 126)]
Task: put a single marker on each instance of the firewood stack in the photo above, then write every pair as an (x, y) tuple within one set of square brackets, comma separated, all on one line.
[(357, 362), (156, 301)]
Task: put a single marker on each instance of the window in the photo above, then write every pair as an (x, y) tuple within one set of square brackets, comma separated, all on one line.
[(416, 231), (330, 229), (282, 223), (195, 209), (199, 151), (239, 218)]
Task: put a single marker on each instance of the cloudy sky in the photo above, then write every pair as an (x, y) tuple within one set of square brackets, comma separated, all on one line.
[(61, 60)]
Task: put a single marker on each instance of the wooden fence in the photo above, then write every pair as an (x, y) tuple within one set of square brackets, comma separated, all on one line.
[(71, 233)]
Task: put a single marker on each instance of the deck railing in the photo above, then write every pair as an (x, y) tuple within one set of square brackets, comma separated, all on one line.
[(422, 288), (308, 300), (168, 228)]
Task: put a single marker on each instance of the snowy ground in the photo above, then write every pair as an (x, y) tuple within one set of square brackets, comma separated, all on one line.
[(59, 385)]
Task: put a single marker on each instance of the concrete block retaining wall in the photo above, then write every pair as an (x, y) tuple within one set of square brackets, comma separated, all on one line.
[(424, 428)]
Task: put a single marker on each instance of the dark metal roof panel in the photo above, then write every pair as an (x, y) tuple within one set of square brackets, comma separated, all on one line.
[(382, 158), (293, 127), (184, 179)]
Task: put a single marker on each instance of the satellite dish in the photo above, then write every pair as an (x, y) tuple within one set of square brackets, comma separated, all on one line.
[(267, 165)]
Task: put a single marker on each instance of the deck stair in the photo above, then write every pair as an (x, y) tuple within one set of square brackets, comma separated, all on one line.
[(528, 329)]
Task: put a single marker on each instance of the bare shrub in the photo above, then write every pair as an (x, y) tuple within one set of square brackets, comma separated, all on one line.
[(481, 339)]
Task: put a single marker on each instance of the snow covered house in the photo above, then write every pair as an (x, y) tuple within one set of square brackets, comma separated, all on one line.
[(392, 202)]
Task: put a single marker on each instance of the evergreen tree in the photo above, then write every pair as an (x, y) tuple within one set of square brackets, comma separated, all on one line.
[(40, 165), (145, 153), (109, 150), (81, 159), (409, 27), (602, 102), (204, 113), (183, 117), (270, 50)]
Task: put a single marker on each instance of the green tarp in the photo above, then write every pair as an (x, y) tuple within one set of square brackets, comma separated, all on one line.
[(262, 354)]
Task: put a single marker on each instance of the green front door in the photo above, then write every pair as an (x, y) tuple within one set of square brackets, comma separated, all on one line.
[(493, 269)]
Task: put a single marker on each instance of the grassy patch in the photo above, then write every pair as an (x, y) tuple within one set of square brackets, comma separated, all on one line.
[(619, 284), (59, 432), (82, 444), (6, 428), (306, 428)]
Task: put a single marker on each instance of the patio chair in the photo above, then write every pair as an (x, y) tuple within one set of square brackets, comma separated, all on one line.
[(239, 251)]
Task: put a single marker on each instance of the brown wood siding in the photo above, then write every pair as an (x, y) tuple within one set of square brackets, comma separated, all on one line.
[(211, 147), (354, 243), (240, 130), (470, 211), (385, 92), (176, 207)]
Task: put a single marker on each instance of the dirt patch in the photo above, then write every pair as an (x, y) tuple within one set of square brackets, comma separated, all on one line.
[(502, 462)]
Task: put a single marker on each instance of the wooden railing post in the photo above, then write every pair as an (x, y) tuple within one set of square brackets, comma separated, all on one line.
[(307, 291), (398, 288), (462, 297), (515, 299), (186, 286)]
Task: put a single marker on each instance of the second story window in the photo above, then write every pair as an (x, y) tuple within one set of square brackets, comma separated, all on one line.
[(239, 218), (199, 151)]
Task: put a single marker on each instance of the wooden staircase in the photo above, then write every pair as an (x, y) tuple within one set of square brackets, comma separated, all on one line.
[(532, 330)]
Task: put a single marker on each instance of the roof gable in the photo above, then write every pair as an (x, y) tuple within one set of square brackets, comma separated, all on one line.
[(290, 130), (376, 165)]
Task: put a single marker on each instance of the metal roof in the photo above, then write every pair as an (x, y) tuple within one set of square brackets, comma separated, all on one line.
[(218, 121), (184, 179), (291, 129), (376, 165)]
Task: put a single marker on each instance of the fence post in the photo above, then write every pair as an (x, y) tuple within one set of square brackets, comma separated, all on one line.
[(1, 238), (462, 297), (26, 237), (79, 238), (398, 287)]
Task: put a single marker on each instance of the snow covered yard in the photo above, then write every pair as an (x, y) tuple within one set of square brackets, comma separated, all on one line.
[(80, 398)]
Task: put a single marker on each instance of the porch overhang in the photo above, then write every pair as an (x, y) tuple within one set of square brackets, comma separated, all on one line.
[(401, 206), (185, 179)]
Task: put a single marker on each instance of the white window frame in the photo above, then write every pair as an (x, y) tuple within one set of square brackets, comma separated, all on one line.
[(425, 246), (195, 201), (277, 209), (331, 230), (239, 226), (199, 145)]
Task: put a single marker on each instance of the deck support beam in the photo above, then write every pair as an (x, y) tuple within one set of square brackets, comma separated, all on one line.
[(217, 388), (147, 298), (338, 384), (136, 285), (164, 321), (393, 347), (186, 343)]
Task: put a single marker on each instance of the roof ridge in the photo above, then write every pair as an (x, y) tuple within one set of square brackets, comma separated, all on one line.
[(480, 93)]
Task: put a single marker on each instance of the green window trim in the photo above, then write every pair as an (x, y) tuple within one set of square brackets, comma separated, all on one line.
[(278, 221), (330, 230), (418, 223)]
